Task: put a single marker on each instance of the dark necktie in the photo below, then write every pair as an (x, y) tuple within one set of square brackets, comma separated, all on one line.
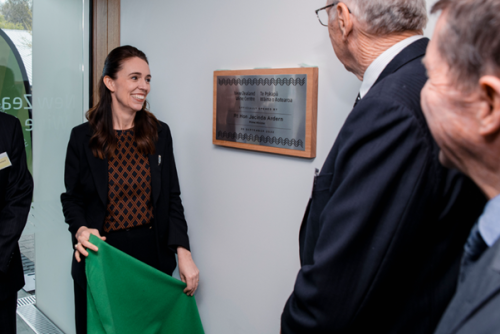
[(357, 100), (473, 249)]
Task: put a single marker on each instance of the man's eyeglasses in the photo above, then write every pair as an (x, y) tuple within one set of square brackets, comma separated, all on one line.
[(322, 13)]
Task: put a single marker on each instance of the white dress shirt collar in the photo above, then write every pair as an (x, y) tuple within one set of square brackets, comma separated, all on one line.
[(375, 69), (489, 221)]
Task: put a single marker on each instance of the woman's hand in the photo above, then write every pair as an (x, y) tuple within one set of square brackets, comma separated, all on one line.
[(82, 237), (188, 271)]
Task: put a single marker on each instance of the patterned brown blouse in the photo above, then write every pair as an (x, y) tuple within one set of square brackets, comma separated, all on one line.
[(129, 187)]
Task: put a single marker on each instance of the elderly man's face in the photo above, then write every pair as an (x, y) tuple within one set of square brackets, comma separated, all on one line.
[(448, 110)]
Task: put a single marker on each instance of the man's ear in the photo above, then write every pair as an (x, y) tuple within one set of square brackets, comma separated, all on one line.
[(110, 84), (490, 117), (344, 20)]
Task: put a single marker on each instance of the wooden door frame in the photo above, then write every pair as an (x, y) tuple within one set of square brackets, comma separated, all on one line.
[(104, 38)]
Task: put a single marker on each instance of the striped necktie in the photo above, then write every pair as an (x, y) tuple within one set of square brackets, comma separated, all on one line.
[(473, 249)]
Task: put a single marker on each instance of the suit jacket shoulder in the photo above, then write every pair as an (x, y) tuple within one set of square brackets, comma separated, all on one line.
[(164, 130), (6, 119), (83, 129), (7, 126), (163, 126), (475, 306), (401, 87), (392, 106)]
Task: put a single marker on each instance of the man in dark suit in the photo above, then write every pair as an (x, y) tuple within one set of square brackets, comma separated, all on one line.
[(16, 191), (461, 102), (382, 237)]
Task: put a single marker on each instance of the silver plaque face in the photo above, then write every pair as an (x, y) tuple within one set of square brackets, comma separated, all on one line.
[(266, 110)]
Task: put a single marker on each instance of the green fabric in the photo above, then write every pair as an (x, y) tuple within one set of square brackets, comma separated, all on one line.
[(125, 295)]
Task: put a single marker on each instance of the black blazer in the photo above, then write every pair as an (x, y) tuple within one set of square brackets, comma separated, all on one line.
[(85, 200), (16, 193), (381, 242), (476, 305)]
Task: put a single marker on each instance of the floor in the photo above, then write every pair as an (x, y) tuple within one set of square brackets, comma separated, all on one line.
[(22, 328), (27, 246)]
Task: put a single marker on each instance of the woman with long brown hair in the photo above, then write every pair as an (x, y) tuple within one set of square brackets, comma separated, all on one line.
[(121, 180)]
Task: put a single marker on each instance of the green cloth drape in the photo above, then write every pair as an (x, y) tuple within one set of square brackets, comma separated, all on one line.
[(125, 295)]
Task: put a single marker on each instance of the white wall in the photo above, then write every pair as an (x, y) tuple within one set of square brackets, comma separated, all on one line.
[(243, 208)]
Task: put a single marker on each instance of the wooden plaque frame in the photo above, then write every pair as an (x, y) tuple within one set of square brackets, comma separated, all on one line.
[(311, 111)]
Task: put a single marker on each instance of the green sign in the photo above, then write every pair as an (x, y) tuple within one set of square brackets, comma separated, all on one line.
[(15, 91)]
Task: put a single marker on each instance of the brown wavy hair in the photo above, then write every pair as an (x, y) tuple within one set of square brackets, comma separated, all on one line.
[(103, 142)]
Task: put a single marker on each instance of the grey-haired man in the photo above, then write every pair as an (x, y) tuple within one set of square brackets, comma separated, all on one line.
[(461, 102), (381, 242)]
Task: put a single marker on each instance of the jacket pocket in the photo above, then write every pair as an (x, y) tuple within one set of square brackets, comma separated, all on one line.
[(322, 183)]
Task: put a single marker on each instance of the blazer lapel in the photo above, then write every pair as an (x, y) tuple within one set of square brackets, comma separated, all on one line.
[(485, 284), (415, 50), (156, 161), (99, 169)]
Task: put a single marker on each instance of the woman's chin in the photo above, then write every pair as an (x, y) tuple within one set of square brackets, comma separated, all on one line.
[(137, 107)]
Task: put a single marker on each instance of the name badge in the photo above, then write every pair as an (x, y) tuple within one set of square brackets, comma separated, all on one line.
[(4, 161)]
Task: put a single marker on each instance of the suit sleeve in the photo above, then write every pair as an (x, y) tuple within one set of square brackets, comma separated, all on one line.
[(72, 200), (379, 168), (177, 227), (18, 196)]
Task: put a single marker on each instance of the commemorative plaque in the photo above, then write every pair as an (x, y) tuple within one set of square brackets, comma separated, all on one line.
[(269, 110)]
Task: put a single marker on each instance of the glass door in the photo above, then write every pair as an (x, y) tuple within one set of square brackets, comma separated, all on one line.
[(60, 98), (44, 72)]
